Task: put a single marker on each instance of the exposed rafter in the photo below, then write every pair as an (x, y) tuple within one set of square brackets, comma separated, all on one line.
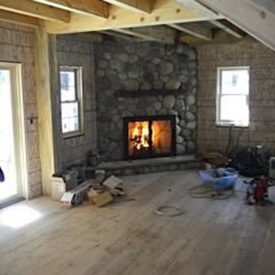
[(131, 32), (159, 34), (220, 37), (38, 10), (134, 5), (194, 30), (86, 7), (20, 19), (164, 12), (198, 7), (121, 36), (248, 16), (83, 37), (229, 28)]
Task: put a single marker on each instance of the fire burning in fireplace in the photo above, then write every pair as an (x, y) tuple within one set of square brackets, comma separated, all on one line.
[(140, 135), (149, 137)]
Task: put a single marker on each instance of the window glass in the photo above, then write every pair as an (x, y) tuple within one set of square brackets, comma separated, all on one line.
[(234, 109), (69, 109), (71, 100), (68, 88), (233, 96), (234, 82), (70, 124)]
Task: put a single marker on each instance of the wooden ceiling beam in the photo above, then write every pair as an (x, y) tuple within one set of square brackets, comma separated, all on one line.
[(229, 28), (33, 9), (85, 7), (164, 12), (160, 34), (194, 30), (83, 37), (198, 7), (121, 36), (131, 32), (251, 18), (220, 37), (143, 6), (19, 19)]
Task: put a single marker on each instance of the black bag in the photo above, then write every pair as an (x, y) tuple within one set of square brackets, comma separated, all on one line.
[(2, 176), (249, 162)]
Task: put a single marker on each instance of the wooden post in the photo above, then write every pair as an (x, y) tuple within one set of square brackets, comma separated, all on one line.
[(55, 101), (46, 67)]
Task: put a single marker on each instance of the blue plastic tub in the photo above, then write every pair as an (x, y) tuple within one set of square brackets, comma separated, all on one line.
[(219, 183)]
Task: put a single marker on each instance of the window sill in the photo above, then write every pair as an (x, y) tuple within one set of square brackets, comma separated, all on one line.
[(221, 125), (72, 135)]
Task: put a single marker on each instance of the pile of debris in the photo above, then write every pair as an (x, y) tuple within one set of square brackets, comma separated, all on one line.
[(110, 190), (255, 167), (99, 191)]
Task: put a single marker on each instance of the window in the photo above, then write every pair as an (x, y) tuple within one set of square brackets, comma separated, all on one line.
[(233, 96), (71, 100)]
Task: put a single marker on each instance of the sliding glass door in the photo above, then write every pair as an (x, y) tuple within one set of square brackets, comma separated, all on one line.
[(12, 145)]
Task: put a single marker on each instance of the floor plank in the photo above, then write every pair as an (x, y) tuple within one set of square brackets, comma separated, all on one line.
[(212, 237)]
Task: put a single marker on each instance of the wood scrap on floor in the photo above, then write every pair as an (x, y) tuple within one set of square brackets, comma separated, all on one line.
[(76, 196), (98, 191), (99, 198), (110, 190), (112, 182)]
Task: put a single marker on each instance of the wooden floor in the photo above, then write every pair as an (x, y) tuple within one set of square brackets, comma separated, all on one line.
[(127, 238)]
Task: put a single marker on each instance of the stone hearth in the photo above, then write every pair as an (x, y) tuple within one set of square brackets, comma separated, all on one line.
[(153, 165)]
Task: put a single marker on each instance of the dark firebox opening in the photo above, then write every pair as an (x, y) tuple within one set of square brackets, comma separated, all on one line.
[(149, 137)]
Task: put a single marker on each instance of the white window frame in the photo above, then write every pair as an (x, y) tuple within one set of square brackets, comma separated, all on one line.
[(78, 70), (227, 123)]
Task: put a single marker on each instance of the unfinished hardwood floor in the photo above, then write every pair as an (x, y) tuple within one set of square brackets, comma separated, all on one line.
[(127, 238)]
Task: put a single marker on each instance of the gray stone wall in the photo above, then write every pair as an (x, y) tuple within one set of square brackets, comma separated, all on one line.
[(134, 67), (17, 45), (262, 94), (72, 52)]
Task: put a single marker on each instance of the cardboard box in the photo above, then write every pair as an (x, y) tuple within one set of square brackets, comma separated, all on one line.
[(99, 197)]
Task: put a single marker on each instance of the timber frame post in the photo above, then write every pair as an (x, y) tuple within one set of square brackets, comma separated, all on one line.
[(46, 79)]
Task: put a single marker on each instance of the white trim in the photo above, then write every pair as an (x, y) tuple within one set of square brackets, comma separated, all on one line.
[(218, 96), (79, 99), (19, 122)]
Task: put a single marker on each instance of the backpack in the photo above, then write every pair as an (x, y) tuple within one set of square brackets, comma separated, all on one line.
[(2, 176)]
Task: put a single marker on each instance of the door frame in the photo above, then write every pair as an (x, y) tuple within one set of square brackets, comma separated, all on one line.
[(18, 116)]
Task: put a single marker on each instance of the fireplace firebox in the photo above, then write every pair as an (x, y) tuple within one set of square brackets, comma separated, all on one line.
[(149, 137)]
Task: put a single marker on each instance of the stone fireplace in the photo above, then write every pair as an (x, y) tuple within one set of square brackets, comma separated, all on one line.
[(145, 80), (149, 137)]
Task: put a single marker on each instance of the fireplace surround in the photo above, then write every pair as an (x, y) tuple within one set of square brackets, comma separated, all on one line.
[(144, 79), (149, 136)]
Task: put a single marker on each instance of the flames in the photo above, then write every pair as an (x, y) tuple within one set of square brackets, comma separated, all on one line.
[(140, 135), (149, 137)]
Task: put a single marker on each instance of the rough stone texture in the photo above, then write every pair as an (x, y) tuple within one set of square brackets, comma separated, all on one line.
[(17, 45), (152, 169), (149, 165), (169, 101), (81, 53), (262, 97), (144, 66)]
